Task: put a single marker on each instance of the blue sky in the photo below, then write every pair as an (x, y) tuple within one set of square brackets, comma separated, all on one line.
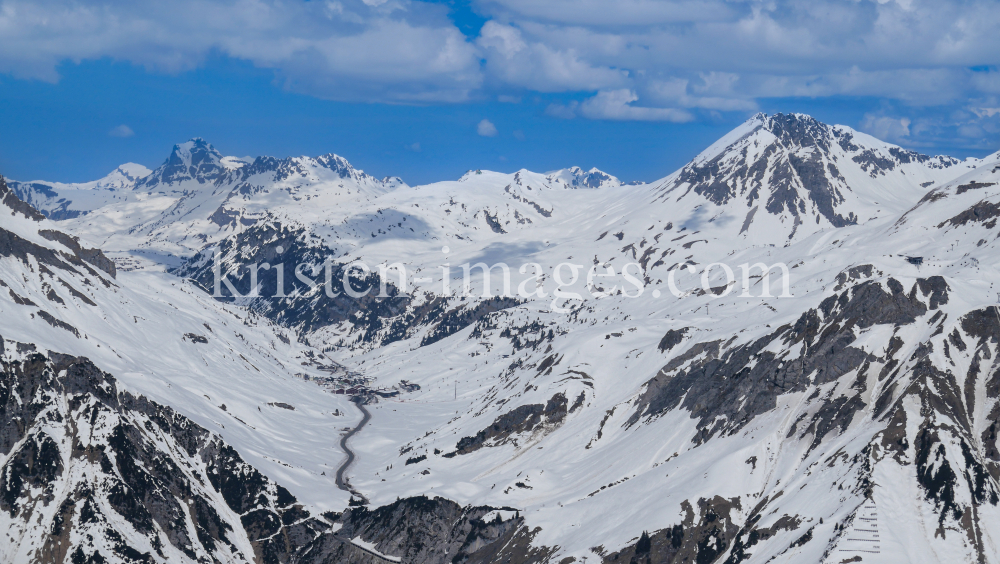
[(633, 87)]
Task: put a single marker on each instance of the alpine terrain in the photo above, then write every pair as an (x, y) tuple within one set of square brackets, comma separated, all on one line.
[(786, 351)]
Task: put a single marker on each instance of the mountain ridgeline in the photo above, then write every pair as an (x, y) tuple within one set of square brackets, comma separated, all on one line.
[(847, 411)]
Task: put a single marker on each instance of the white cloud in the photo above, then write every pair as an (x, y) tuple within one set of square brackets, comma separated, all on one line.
[(717, 89), (916, 51), (681, 58), (486, 128), (395, 50), (886, 128), (971, 131), (121, 131), (617, 105), (514, 61), (626, 12), (415, 147)]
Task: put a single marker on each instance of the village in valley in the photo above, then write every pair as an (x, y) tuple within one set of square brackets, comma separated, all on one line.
[(338, 379)]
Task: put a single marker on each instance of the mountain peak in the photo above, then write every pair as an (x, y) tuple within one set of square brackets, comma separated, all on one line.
[(122, 178), (283, 169), (133, 171), (576, 177), (796, 130), (195, 159), (807, 173)]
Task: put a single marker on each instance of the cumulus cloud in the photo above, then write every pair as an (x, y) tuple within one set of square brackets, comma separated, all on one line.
[(394, 50), (886, 128), (486, 128), (917, 51), (617, 105), (929, 129), (121, 131), (668, 60), (626, 12), (513, 60), (711, 91)]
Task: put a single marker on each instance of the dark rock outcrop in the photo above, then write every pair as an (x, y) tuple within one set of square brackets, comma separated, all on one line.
[(520, 420), (73, 440), (725, 388), (134, 481)]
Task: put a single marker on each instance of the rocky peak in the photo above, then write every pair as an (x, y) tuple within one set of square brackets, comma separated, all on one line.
[(195, 160), (797, 130), (293, 166), (778, 161), (339, 165), (806, 171), (576, 177)]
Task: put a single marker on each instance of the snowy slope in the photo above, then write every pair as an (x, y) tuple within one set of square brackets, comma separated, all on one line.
[(807, 173), (93, 473), (854, 420), (163, 338), (98, 468), (64, 201), (877, 396), (198, 196)]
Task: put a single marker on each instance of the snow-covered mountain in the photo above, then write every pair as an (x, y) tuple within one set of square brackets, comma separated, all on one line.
[(854, 420), (806, 173), (64, 201), (196, 196), (96, 467)]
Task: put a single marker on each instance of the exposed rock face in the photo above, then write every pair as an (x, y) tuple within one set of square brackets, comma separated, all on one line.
[(193, 160), (91, 473), (96, 474), (424, 530), (634, 432), (521, 420), (449, 322), (58, 201), (922, 413), (984, 212), (799, 157), (12, 245), (376, 320), (671, 339), (36, 194), (282, 169), (724, 388), (794, 167), (17, 206), (577, 178), (304, 308), (704, 536), (93, 256)]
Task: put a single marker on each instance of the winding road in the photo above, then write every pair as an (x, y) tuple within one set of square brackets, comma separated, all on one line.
[(341, 482)]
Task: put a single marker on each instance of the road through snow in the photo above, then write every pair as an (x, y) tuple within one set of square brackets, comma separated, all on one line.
[(341, 482)]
